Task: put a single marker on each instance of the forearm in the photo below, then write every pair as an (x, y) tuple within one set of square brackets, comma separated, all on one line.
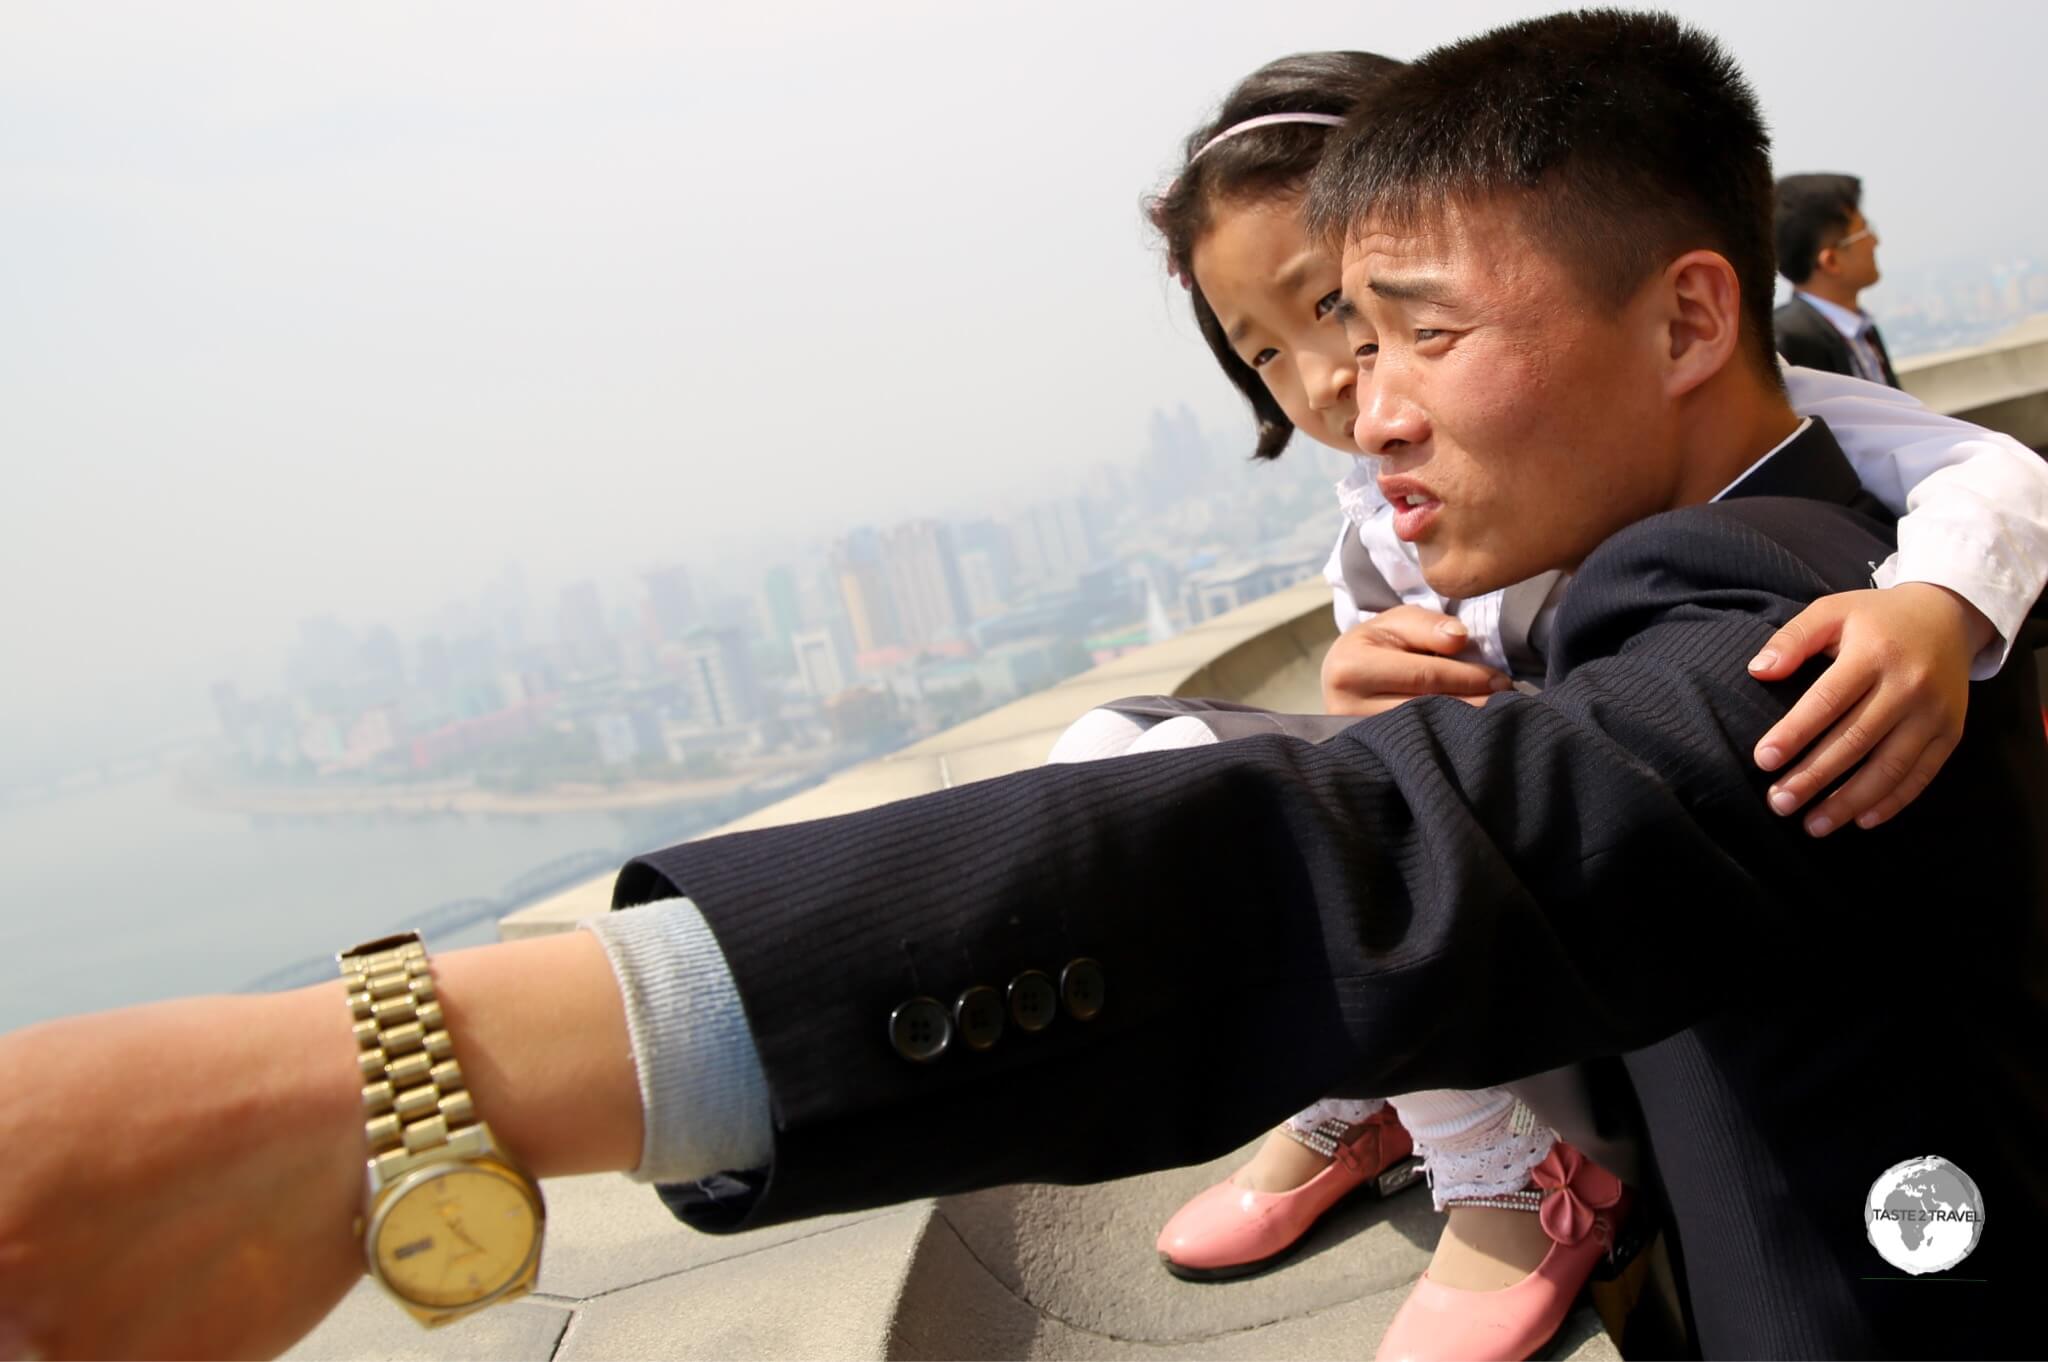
[(208, 1153), (541, 1035), (620, 1049)]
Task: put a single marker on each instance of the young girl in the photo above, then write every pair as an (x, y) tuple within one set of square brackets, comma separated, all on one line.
[(1973, 558)]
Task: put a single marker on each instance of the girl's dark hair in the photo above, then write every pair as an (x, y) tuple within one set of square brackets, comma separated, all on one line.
[(1253, 166)]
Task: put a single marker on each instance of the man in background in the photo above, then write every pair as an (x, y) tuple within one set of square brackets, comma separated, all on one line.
[(1828, 250)]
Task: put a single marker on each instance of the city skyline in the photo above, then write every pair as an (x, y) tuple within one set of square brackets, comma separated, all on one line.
[(515, 658), (337, 314)]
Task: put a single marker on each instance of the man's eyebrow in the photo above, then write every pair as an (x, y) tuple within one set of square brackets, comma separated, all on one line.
[(1346, 310), (1417, 289)]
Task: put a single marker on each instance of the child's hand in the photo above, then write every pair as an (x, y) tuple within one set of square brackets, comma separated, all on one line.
[(1895, 695), (1399, 654)]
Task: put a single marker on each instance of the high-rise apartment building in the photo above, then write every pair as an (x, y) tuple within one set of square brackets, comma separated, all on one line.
[(820, 663), (924, 578), (861, 573), (580, 625), (1053, 542), (672, 602), (781, 603), (718, 678)]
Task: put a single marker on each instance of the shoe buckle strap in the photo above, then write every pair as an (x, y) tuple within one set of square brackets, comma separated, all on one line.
[(1332, 1138), (1530, 1201)]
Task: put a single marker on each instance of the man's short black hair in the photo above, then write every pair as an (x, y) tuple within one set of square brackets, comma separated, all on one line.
[(1813, 213), (1624, 140)]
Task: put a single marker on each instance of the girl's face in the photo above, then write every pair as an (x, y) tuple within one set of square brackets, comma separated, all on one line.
[(1275, 293)]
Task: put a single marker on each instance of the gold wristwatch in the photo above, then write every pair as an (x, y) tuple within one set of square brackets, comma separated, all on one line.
[(450, 1223)]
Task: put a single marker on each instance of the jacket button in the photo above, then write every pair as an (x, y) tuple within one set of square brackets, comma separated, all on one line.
[(920, 1030), (1033, 1000), (1081, 988), (979, 1016)]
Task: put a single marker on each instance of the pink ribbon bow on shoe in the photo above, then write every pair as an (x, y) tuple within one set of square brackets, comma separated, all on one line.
[(1575, 1191)]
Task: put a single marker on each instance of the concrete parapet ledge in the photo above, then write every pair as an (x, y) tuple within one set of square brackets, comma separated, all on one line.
[(2002, 384)]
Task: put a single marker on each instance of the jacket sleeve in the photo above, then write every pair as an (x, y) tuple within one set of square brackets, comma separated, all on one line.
[(1443, 896)]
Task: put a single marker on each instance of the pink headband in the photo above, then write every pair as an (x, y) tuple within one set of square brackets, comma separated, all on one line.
[(1174, 267), (1266, 121)]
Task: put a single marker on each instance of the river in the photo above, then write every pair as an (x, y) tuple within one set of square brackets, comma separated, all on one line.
[(124, 894)]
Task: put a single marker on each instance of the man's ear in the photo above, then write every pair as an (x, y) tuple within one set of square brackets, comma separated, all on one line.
[(1703, 301), (1828, 259)]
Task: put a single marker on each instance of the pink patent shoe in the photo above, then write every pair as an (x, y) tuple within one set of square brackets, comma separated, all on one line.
[(1580, 1204), (1231, 1231)]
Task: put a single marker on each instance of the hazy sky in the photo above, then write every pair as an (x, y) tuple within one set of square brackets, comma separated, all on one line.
[(335, 310)]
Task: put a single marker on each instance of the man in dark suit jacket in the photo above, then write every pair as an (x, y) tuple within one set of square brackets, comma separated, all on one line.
[(1828, 250), (1180, 948)]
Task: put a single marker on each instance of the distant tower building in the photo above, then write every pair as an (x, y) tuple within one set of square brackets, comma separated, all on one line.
[(227, 707), (981, 583), (991, 584), (782, 603), (579, 623), (325, 655), (1177, 444), (1054, 542), (505, 607), (383, 660), (718, 678), (924, 578), (618, 743), (820, 662), (1158, 628), (858, 567), (672, 602)]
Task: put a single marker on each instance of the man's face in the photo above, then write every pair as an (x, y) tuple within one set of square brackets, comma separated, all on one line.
[(1518, 421), (1854, 253)]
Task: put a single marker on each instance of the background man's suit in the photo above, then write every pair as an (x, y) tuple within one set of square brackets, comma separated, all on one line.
[(1452, 897), (1807, 338)]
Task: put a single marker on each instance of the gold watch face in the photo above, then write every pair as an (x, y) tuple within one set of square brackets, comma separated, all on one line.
[(454, 1236)]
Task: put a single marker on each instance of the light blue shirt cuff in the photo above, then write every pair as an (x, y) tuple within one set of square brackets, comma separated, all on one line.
[(701, 1085)]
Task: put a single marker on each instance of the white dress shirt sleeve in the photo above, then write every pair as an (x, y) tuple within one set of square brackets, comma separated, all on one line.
[(1973, 504), (703, 1094)]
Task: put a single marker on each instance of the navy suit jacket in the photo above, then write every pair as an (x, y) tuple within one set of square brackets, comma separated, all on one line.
[(1447, 896)]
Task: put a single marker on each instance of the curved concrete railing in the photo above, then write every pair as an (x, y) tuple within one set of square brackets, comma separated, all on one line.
[(2002, 384)]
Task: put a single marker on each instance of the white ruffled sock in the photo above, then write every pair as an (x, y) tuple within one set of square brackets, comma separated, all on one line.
[(1469, 1141)]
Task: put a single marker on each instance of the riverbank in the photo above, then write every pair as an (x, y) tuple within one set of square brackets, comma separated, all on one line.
[(208, 789)]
